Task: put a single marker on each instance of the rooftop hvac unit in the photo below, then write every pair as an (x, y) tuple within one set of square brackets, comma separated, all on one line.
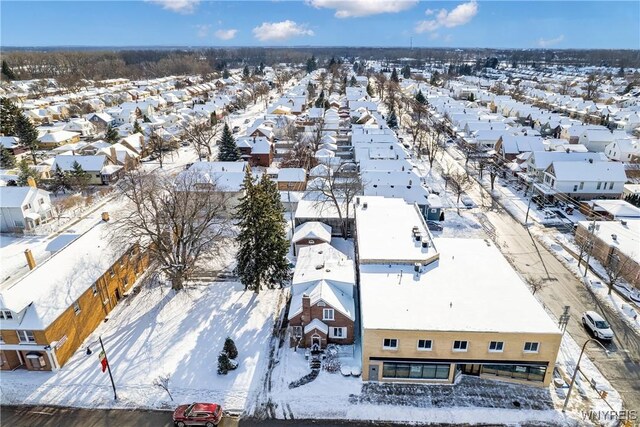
[(416, 267)]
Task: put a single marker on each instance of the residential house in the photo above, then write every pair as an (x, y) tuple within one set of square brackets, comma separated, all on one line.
[(101, 171), (47, 314), (623, 150), (322, 309), (310, 233), (81, 126), (433, 309), (12, 143), (101, 120), (24, 208), (509, 146), (52, 140), (583, 180), (292, 179)]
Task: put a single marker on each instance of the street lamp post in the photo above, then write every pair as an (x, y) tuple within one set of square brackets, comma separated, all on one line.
[(575, 372)]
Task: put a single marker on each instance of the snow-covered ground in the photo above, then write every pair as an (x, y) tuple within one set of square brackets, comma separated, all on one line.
[(159, 332)]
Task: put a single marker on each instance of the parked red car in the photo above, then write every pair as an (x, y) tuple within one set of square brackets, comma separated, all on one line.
[(197, 414)]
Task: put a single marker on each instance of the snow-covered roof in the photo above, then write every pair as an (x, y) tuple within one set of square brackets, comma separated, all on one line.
[(586, 171), (385, 232), (316, 324), (56, 137), (472, 287), (292, 175), (88, 163), (618, 208), (312, 230), (53, 286), (15, 197), (627, 236)]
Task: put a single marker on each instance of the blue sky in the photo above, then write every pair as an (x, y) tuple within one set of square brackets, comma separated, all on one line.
[(494, 24)]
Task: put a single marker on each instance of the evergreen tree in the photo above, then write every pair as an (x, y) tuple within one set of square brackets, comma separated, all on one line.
[(471, 97), (406, 72), (227, 148), (312, 64), (137, 128), (25, 173), (111, 135), (28, 135), (420, 98), (394, 76), (245, 72), (320, 101), (60, 181), (262, 242), (225, 74), (214, 119), (7, 159), (369, 90), (77, 177), (230, 348), (434, 78), (392, 120), (353, 81), (224, 364), (9, 113), (7, 71)]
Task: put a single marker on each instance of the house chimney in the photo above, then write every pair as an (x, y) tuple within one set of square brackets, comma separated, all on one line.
[(105, 216), (416, 267), (425, 243), (31, 182), (306, 309), (31, 261)]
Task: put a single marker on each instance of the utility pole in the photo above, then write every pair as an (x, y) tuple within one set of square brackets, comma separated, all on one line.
[(113, 384)]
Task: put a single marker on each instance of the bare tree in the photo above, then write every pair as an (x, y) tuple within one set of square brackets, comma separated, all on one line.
[(429, 146), (535, 284), (337, 190), (200, 136), (460, 182), (591, 87), (179, 223), (614, 267), (158, 146), (494, 171), (380, 80)]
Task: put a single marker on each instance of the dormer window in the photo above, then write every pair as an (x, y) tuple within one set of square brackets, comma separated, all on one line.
[(6, 314)]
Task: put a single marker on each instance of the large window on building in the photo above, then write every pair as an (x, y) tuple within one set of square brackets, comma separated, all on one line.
[(527, 373), (423, 371), (327, 314), (26, 337), (460, 345), (390, 344)]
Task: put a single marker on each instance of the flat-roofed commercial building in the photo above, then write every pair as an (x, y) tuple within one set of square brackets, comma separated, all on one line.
[(454, 306)]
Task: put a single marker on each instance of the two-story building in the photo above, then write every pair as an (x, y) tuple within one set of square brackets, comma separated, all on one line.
[(47, 314), (24, 208), (433, 309), (583, 180)]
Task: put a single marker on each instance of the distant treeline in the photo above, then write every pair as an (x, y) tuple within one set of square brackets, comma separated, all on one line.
[(74, 64)]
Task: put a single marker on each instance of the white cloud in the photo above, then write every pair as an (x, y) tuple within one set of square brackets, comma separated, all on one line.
[(460, 15), (550, 42), (268, 31), (429, 12), (226, 34), (180, 6), (203, 30), (359, 8)]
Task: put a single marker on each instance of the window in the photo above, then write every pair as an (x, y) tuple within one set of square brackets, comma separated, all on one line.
[(327, 314), (598, 186), (125, 282), (6, 314), (26, 207), (531, 347), (424, 345), (529, 373), (575, 187), (426, 371), (26, 337), (611, 186), (390, 344), (76, 307), (297, 331), (337, 333), (496, 346), (582, 185), (94, 288), (112, 272), (460, 345), (18, 223), (41, 201)]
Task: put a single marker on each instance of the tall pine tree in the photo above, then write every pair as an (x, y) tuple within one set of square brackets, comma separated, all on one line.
[(262, 241), (420, 98), (7, 159), (392, 120), (9, 113), (227, 148), (394, 76), (7, 71), (137, 128), (111, 135), (28, 135), (26, 172)]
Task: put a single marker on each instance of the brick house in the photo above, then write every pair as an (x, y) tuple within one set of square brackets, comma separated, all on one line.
[(262, 152), (310, 233), (292, 179), (322, 309), (47, 314)]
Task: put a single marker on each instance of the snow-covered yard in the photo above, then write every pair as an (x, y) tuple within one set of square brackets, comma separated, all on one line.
[(162, 333)]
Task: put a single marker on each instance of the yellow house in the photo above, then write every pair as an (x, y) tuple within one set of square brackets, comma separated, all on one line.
[(433, 309), (46, 315), (52, 140)]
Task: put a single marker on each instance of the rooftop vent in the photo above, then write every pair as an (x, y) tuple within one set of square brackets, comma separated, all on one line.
[(614, 237), (624, 223), (320, 266), (425, 242), (364, 205), (416, 267)]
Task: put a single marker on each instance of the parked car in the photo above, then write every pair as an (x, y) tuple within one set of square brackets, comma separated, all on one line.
[(236, 129), (434, 226), (198, 414), (466, 200), (597, 325)]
